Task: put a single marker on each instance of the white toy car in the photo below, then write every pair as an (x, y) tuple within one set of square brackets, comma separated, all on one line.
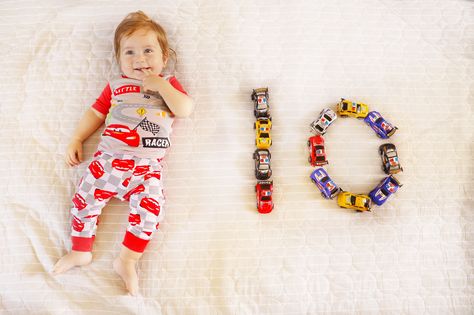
[(325, 119)]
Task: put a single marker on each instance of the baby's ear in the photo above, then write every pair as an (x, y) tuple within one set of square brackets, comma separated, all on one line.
[(166, 56)]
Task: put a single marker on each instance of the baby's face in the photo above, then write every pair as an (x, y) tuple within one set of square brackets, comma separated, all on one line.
[(139, 51)]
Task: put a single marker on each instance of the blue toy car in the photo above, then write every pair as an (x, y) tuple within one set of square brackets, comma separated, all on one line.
[(388, 186), (382, 128), (325, 184)]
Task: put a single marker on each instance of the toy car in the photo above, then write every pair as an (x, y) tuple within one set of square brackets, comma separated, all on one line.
[(264, 190), (347, 108), (262, 164), (384, 189), (390, 162), (263, 127), (326, 117), (317, 153), (325, 184), (382, 128), (260, 98), (349, 200)]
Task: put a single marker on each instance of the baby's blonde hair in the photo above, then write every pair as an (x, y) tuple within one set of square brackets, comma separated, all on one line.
[(137, 21)]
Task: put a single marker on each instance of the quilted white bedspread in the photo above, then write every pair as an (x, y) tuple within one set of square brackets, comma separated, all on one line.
[(215, 254)]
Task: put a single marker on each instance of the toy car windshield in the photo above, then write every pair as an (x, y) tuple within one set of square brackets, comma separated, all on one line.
[(327, 117), (385, 192), (266, 198), (265, 186), (367, 203), (262, 105), (320, 158), (353, 200), (264, 135), (319, 128)]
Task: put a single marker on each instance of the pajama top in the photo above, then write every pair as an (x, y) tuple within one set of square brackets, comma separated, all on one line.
[(137, 123)]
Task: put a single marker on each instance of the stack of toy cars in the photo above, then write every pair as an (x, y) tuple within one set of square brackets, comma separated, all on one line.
[(387, 151), (262, 156)]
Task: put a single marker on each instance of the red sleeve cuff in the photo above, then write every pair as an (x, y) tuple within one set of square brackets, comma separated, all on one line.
[(175, 83), (103, 103)]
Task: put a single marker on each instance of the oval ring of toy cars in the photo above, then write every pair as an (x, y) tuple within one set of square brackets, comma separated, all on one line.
[(388, 153), (262, 156)]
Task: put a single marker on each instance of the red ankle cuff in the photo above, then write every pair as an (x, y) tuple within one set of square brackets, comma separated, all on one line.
[(82, 244), (134, 243)]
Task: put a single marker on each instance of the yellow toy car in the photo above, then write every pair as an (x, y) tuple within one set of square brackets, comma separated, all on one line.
[(263, 139), (349, 200), (347, 108)]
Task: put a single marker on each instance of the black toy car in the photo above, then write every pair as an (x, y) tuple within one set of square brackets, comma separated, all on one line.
[(260, 98), (262, 158), (390, 162)]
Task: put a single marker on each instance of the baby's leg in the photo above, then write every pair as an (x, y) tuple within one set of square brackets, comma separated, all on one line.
[(144, 218), (88, 202), (125, 266)]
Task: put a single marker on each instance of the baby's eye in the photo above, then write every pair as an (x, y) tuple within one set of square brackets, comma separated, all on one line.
[(148, 50), (129, 52)]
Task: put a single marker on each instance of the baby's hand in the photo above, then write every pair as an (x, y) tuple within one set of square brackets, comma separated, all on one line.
[(151, 82), (74, 153)]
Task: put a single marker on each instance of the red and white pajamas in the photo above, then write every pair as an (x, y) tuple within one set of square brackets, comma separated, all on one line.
[(136, 180), (127, 165)]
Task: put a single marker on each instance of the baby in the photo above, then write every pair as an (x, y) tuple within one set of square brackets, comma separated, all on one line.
[(138, 109)]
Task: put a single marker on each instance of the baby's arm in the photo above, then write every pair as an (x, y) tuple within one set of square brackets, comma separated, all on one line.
[(88, 124), (179, 103)]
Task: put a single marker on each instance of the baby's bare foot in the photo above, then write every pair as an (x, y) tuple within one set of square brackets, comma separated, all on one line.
[(72, 259), (126, 270)]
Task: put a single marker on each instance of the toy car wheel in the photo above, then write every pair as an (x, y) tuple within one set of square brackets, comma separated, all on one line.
[(324, 196), (309, 160), (309, 144), (254, 125)]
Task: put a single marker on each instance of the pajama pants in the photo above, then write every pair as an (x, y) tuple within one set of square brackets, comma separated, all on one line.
[(136, 180)]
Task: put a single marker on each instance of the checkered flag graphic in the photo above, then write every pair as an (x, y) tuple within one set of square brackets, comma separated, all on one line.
[(149, 126)]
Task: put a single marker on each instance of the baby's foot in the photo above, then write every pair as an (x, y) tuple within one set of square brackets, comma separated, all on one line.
[(72, 259), (126, 270)]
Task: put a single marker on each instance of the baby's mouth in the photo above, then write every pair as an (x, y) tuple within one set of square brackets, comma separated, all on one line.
[(142, 69)]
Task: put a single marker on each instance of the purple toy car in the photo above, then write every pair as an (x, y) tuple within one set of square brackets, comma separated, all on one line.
[(325, 184), (382, 128), (384, 189)]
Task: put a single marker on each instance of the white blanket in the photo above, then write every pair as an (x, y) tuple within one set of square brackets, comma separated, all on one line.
[(214, 253)]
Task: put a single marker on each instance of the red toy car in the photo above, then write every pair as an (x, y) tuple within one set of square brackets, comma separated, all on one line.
[(317, 153), (264, 190), (123, 133)]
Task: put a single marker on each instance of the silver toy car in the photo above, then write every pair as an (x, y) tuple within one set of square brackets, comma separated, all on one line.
[(325, 119)]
